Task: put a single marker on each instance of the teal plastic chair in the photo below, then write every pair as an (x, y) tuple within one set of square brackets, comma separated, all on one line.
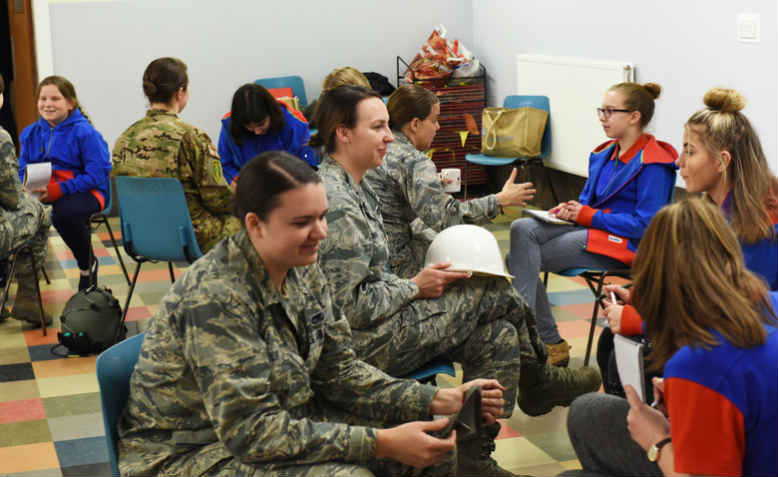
[(294, 82), (114, 369), (102, 218), (513, 102), (155, 224)]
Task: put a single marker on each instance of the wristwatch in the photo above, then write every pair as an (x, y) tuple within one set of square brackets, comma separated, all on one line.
[(653, 451)]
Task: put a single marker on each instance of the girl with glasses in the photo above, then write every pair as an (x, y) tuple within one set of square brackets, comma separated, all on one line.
[(631, 177)]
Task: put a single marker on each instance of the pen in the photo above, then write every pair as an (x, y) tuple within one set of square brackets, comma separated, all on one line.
[(613, 297)]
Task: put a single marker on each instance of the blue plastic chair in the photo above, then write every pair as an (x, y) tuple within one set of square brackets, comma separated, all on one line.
[(294, 82), (102, 218), (155, 223), (513, 102), (427, 373), (114, 369)]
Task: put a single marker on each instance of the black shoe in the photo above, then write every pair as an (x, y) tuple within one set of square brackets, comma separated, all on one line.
[(89, 280)]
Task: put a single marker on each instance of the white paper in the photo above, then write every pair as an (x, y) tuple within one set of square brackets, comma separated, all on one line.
[(37, 176), (629, 361), (545, 216)]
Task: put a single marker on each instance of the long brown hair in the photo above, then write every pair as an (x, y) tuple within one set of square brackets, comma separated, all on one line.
[(722, 127), (66, 89), (337, 107), (690, 278)]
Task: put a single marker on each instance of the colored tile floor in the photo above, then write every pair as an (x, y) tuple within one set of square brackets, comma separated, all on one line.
[(50, 416)]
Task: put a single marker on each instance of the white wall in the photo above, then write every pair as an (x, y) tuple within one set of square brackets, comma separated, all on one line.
[(103, 47), (686, 46)]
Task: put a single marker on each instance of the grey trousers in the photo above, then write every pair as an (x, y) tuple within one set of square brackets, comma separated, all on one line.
[(597, 424), (537, 246)]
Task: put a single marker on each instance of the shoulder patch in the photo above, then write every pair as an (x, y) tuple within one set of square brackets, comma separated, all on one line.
[(216, 170)]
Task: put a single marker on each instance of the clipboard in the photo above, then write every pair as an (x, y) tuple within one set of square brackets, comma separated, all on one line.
[(546, 217), (468, 420), (629, 362)]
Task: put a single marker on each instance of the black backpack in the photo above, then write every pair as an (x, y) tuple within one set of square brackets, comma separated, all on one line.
[(380, 83), (91, 322)]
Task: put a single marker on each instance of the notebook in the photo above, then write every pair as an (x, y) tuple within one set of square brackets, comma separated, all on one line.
[(629, 361), (547, 217)]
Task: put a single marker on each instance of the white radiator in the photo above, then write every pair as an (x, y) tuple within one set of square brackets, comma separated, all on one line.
[(575, 87)]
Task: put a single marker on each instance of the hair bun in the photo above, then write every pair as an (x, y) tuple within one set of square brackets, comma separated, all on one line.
[(653, 89), (149, 88), (724, 100)]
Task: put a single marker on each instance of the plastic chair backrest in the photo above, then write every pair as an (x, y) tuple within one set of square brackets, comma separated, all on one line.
[(109, 199), (537, 102), (155, 219), (114, 368), (294, 82)]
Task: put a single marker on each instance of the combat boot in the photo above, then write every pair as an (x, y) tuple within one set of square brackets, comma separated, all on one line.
[(26, 307), (474, 455), (542, 387)]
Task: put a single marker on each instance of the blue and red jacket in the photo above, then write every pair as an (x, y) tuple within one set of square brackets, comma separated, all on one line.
[(293, 138), (79, 156), (723, 406), (623, 193)]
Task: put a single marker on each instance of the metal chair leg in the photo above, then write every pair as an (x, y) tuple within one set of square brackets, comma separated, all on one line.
[(116, 249), (595, 309), (38, 291), (129, 293), (8, 280)]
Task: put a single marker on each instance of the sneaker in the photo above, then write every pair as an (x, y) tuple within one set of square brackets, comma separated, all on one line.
[(88, 280), (557, 387), (559, 354), (474, 456)]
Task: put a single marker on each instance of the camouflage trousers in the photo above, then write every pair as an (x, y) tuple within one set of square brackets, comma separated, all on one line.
[(28, 224), (480, 322), (215, 459)]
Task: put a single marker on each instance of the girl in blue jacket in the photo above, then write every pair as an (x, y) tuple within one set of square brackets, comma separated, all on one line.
[(80, 164), (259, 123), (631, 177)]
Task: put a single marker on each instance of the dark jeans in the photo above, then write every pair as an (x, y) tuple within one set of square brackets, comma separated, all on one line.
[(597, 424), (606, 359), (71, 219)]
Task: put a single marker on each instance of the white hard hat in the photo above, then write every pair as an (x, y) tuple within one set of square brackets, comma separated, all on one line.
[(468, 248)]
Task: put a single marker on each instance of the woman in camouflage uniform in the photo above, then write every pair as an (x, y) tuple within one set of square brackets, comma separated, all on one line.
[(400, 324), (162, 145), (22, 219), (247, 368), (408, 186)]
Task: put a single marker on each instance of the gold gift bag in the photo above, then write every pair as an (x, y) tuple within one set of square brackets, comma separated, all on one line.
[(513, 132)]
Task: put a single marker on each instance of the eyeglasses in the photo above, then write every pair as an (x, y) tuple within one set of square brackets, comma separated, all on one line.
[(606, 112)]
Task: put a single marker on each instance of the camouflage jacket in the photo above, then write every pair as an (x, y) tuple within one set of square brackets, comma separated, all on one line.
[(408, 187), (354, 256), (230, 359), (162, 145), (11, 192)]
